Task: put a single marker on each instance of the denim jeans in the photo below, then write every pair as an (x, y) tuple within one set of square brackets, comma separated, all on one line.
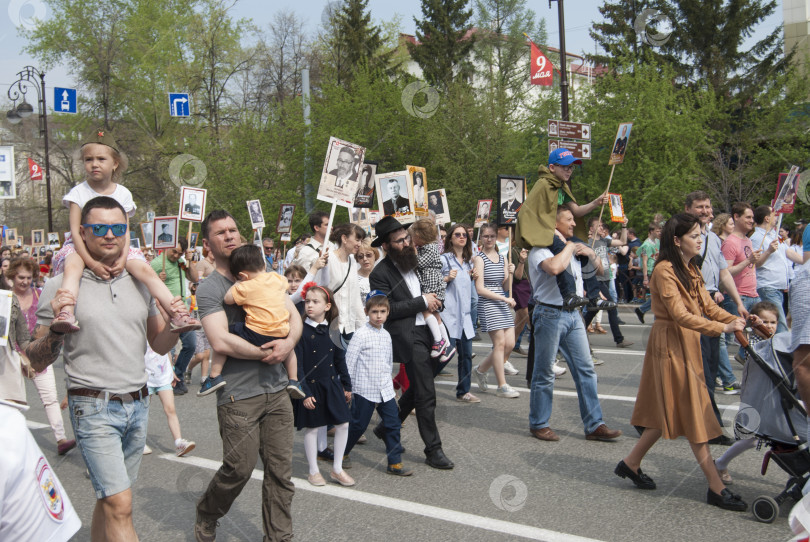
[(362, 410), (464, 357), (189, 342), (613, 315), (111, 436), (647, 305), (612, 289), (520, 336), (724, 370), (777, 297), (555, 328)]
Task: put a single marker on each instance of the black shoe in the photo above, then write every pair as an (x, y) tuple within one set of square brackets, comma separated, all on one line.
[(640, 315), (726, 500), (596, 305), (180, 388), (641, 480), (326, 454), (573, 301), (379, 431), (438, 460), (722, 440), (622, 322)]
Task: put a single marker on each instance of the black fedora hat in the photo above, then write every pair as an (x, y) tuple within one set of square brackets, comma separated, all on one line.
[(383, 228)]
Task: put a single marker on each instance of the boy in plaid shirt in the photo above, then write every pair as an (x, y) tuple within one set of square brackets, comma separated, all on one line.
[(370, 360)]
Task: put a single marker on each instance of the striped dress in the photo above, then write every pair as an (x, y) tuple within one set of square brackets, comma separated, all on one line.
[(492, 314)]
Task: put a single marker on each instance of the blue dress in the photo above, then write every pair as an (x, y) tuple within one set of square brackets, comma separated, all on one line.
[(493, 314), (323, 375)]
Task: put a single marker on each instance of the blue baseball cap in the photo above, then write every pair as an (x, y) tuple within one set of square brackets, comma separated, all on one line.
[(562, 157), (375, 293)]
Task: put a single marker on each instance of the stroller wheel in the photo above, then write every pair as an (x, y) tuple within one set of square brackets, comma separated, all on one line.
[(765, 509)]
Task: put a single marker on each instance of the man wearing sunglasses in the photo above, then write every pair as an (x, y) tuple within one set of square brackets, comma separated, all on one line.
[(104, 362)]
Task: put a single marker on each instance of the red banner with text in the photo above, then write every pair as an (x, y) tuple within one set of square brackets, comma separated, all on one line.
[(542, 71)]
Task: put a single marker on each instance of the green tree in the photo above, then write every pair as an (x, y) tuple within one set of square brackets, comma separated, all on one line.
[(356, 43), (445, 41)]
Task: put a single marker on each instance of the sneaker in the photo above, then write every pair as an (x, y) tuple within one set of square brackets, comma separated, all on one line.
[(558, 371), (573, 301), (342, 478), (326, 454), (211, 385), (640, 315), (295, 390), (65, 323), (468, 398), (509, 369), (206, 530), (146, 449), (473, 355), (398, 470), (520, 351), (187, 377), (507, 392), (596, 305), (180, 389), (718, 384), (624, 344), (482, 379), (448, 354), (732, 389), (184, 447), (316, 479), (438, 348), (362, 440), (597, 361)]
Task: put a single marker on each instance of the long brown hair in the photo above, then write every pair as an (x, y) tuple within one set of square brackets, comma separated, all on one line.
[(677, 226), (466, 252)]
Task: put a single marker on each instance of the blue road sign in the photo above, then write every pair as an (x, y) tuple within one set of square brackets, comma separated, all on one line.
[(64, 100), (179, 104)]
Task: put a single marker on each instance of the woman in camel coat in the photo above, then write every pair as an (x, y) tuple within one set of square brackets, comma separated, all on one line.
[(672, 400)]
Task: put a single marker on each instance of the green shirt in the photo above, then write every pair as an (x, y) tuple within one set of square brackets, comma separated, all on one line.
[(649, 250), (174, 275)]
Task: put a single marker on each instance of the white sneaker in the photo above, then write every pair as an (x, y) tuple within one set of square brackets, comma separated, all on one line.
[(507, 391), (482, 379), (597, 361), (468, 398), (558, 371), (146, 449), (184, 447), (509, 369)]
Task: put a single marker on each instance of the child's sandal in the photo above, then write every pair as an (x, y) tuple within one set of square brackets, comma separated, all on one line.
[(65, 322), (182, 325)]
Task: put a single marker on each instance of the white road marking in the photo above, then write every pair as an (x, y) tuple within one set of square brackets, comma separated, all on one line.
[(401, 505)]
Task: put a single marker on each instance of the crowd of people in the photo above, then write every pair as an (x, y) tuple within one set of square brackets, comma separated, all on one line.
[(308, 340)]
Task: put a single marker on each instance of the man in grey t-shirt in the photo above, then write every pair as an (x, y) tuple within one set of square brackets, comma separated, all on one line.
[(253, 408), (104, 361)]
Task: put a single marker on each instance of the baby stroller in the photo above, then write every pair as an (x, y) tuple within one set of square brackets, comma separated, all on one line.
[(771, 412)]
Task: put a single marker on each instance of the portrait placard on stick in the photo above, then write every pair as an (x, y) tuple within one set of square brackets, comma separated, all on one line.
[(365, 190), (341, 168), (147, 233), (285, 216), (785, 198), (165, 231), (192, 203), (511, 191), (482, 212), (256, 215), (53, 239), (8, 182), (11, 235), (286, 237), (437, 202), (37, 237), (373, 218), (394, 196), (418, 181), (620, 143), (616, 208)]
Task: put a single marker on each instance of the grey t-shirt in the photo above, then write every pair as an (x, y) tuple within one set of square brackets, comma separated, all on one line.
[(245, 378), (108, 352), (600, 246)]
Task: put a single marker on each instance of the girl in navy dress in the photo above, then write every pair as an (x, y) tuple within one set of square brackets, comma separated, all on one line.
[(326, 383)]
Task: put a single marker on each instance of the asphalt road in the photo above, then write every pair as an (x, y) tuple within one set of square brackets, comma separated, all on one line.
[(506, 485)]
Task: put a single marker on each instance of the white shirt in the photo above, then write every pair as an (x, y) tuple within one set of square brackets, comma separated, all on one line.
[(308, 253), (370, 361), (82, 193), (412, 282), (350, 315), (544, 285), (158, 368), (33, 502)]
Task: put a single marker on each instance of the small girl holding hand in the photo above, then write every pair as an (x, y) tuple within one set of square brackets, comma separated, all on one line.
[(326, 384)]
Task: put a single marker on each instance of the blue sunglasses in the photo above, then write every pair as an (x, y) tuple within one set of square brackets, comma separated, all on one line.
[(100, 230)]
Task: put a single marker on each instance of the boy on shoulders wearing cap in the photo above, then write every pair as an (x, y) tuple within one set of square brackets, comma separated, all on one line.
[(537, 218)]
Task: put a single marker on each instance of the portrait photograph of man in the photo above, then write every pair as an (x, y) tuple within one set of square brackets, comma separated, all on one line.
[(482, 212), (394, 191), (511, 190), (620, 143), (165, 232), (285, 214), (192, 204), (339, 177), (256, 214)]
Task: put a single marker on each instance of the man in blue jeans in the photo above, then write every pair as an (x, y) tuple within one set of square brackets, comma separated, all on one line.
[(556, 327), (104, 361), (773, 268), (172, 273)]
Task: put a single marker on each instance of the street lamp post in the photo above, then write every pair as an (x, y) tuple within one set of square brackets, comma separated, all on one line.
[(17, 91)]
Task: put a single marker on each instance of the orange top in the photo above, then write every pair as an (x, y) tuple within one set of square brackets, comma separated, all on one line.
[(264, 300)]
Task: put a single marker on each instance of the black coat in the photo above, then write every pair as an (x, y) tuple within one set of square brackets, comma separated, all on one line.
[(404, 308)]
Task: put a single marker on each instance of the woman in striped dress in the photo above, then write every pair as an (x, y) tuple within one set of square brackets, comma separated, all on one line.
[(494, 309)]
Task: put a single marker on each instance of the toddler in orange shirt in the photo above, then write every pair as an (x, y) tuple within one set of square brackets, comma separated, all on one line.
[(263, 297)]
